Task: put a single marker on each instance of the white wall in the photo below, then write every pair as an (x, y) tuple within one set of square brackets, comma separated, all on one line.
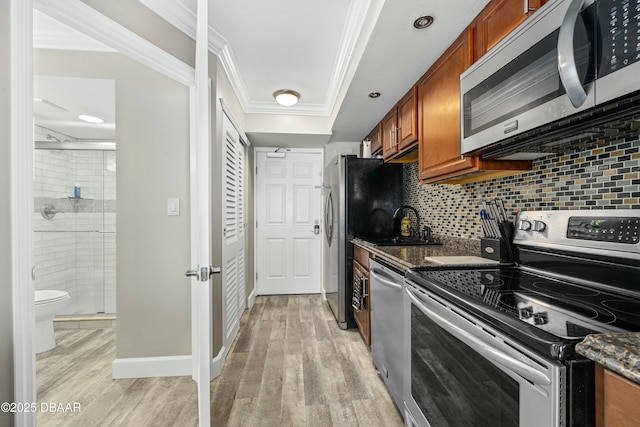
[(333, 149)]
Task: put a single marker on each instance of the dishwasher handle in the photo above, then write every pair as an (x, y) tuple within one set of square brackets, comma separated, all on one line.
[(385, 279), (486, 350)]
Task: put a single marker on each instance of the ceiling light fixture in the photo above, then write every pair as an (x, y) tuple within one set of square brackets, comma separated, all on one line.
[(423, 22), (90, 119), (374, 95), (286, 97)]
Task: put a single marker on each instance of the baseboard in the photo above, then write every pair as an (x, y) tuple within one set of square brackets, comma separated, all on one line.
[(145, 367), (252, 298), (217, 363)]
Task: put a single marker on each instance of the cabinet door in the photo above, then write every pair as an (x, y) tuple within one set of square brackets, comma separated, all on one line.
[(362, 317), (498, 19), (389, 135), (439, 113), (616, 400), (376, 144), (408, 119)]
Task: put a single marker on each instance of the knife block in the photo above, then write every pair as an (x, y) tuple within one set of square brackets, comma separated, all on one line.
[(495, 249)]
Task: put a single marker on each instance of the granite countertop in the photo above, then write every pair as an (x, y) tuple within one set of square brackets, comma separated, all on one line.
[(406, 257), (618, 352)]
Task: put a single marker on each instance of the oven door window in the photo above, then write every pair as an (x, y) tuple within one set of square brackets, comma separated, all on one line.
[(455, 386)]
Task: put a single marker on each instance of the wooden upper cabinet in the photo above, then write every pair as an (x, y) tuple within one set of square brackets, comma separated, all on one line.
[(498, 19), (376, 143), (439, 113), (399, 128), (408, 119), (389, 138), (439, 123)]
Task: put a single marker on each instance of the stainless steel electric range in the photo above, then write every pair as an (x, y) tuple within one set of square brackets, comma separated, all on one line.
[(495, 346)]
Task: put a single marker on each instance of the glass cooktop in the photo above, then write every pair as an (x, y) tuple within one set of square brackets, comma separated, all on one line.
[(564, 309)]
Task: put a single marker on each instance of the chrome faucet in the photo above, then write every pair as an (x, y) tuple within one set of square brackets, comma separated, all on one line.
[(396, 218)]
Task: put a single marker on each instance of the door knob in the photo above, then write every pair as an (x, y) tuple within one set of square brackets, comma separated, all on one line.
[(210, 271)]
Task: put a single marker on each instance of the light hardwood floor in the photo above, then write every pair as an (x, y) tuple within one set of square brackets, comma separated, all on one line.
[(291, 365)]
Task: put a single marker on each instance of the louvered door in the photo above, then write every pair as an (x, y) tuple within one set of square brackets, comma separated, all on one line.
[(233, 250)]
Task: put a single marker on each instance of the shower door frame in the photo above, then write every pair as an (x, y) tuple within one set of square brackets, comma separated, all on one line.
[(82, 17)]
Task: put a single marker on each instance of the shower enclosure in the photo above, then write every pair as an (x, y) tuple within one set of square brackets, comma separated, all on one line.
[(75, 223)]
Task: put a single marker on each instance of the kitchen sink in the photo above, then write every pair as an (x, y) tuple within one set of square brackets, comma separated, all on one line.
[(399, 241)]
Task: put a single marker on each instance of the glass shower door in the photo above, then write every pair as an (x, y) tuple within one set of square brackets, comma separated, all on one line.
[(75, 236)]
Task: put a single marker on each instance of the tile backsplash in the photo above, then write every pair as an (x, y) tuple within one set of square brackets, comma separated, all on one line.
[(601, 178)]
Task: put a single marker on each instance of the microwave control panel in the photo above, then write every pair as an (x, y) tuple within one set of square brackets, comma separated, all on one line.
[(618, 25)]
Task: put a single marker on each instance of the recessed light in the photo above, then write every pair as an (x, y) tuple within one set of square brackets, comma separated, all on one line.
[(374, 95), (423, 22), (286, 97), (90, 119)]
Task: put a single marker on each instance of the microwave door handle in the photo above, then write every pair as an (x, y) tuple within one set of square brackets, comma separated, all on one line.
[(566, 59), (486, 350)]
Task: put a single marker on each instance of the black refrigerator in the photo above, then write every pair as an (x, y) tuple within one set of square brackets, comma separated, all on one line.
[(360, 198)]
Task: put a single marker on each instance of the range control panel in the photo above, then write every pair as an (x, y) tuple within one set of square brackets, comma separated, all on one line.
[(587, 231), (620, 230)]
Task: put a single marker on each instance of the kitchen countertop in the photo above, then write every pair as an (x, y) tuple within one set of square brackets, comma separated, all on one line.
[(618, 352), (406, 257)]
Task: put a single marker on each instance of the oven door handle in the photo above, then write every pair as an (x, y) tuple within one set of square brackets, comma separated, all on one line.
[(489, 352), (376, 274)]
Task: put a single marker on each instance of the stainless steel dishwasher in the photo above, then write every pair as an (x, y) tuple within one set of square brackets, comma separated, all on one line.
[(387, 326)]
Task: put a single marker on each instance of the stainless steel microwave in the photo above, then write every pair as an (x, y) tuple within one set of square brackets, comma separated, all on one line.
[(570, 56)]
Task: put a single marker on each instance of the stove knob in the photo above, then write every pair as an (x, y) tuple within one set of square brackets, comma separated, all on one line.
[(523, 224), (539, 226), (540, 318), (525, 312)]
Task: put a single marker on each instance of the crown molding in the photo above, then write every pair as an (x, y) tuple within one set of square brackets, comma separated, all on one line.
[(89, 21), (66, 41), (181, 17), (356, 18), (178, 15)]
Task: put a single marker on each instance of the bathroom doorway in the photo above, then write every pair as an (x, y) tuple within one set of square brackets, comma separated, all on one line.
[(75, 196), (74, 227)]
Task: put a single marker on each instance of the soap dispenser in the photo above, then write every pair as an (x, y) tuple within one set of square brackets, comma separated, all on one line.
[(405, 227)]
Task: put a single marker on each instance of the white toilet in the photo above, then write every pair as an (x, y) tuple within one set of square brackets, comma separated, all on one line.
[(48, 304)]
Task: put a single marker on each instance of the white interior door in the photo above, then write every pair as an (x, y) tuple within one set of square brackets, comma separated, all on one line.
[(289, 215), (234, 232), (201, 246)]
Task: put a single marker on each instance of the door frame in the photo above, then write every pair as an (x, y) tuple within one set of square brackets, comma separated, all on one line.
[(257, 150), (82, 17)]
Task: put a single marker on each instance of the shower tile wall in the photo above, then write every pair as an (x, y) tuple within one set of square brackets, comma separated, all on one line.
[(75, 251), (602, 178)]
